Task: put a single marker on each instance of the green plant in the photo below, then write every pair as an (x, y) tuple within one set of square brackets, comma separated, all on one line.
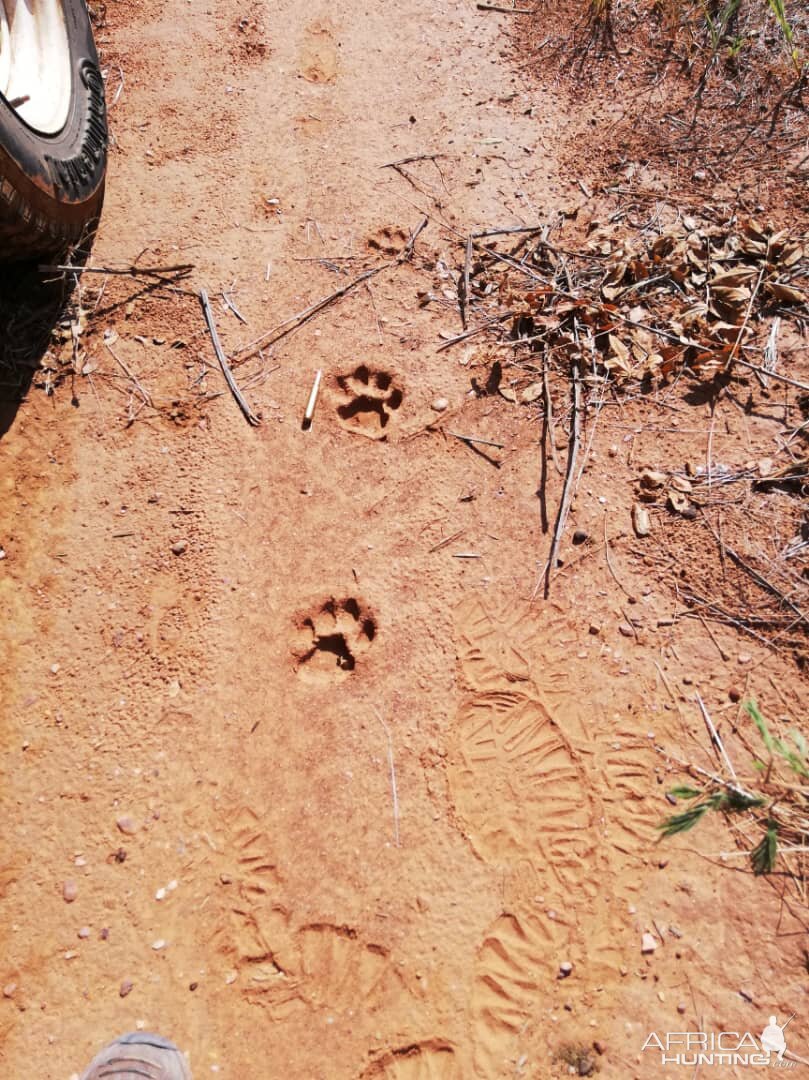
[(774, 804)]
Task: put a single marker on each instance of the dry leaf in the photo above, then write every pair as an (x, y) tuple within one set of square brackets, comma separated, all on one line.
[(508, 393), (785, 293), (531, 393)]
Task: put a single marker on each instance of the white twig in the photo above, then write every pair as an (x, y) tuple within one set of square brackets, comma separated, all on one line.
[(720, 746), (393, 791)]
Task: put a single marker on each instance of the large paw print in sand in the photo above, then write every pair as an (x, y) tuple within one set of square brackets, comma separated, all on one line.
[(331, 637), (370, 401)]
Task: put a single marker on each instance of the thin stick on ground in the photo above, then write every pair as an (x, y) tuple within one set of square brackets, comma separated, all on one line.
[(249, 415), (295, 321), (567, 487), (182, 269), (464, 290), (715, 739), (393, 790), (129, 374), (475, 439)]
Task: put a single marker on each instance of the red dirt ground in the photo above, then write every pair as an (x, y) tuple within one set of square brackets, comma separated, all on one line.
[(236, 707)]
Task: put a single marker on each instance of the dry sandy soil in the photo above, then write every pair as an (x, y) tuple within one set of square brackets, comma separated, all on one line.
[(222, 643)]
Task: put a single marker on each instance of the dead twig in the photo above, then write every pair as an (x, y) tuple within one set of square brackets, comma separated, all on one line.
[(567, 487), (505, 10), (715, 739), (129, 374), (393, 790), (294, 322), (475, 439), (249, 415), (181, 269)]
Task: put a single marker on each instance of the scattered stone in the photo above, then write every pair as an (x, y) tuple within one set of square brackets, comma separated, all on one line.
[(594, 628), (231, 977), (193, 986), (745, 658), (70, 891), (671, 798), (648, 943), (158, 945), (625, 629), (160, 894), (580, 537), (600, 1047), (71, 954), (650, 479), (565, 969), (125, 988), (586, 1065), (179, 547), (84, 932), (682, 1008), (663, 863), (679, 483), (8, 990), (2, 553), (439, 404), (641, 522), (735, 694), (746, 995), (127, 825), (226, 879), (104, 933)]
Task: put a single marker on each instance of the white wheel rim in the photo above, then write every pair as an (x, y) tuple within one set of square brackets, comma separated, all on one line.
[(35, 73)]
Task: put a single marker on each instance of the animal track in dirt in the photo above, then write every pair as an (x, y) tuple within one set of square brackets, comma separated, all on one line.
[(389, 240), (341, 971), (330, 638), (517, 783), (370, 401), (517, 959), (627, 764), (432, 1059)]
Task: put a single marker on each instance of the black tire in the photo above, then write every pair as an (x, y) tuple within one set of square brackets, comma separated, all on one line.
[(52, 186)]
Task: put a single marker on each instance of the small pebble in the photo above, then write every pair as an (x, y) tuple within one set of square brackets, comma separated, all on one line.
[(565, 969), (600, 1047), (625, 629), (125, 988), (179, 547), (594, 628), (580, 536), (160, 894), (158, 945), (104, 933), (648, 943), (735, 694), (745, 658), (8, 990), (440, 404), (681, 1008), (84, 932), (126, 825), (70, 891)]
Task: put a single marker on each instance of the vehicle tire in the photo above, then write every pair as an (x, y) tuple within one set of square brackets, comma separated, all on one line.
[(53, 127)]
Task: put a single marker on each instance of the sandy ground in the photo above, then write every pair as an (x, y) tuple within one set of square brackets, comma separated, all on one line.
[(201, 833)]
